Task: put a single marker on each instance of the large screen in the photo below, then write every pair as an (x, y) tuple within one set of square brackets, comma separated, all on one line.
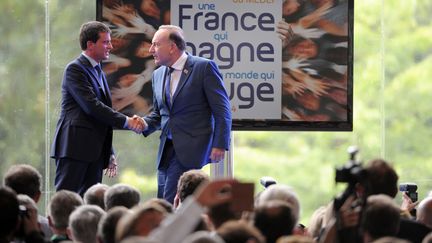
[(286, 64)]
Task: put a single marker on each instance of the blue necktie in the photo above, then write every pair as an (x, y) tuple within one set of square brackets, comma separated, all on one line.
[(168, 86), (100, 78)]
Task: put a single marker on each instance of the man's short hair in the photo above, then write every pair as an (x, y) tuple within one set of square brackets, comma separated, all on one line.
[(108, 224), (140, 221), (382, 178), (60, 207), (189, 182), (281, 192), (90, 32), (163, 203), (240, 231), (274, 219), (121, 195), (24, 179), (10, 208), (381, 216), (83, 223), (95, 195)]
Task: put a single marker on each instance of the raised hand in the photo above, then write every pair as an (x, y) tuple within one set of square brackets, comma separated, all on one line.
[(214, 193)]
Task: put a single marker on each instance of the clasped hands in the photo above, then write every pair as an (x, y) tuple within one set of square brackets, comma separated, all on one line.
[(136, 124)]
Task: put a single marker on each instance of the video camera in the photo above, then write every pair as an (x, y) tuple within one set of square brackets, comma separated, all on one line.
[(266, 181), (352, 173)]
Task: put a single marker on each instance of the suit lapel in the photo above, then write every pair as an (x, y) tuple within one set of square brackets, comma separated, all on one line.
[(187, 70)]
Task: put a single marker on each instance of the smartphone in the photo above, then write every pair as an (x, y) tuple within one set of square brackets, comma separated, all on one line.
[(243, 197)]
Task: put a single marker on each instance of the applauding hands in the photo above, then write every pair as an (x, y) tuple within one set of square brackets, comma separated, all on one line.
[(136, 124)]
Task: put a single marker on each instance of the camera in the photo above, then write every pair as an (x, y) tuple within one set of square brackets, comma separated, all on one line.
[(266, 181), (410, 189), (352, 172)]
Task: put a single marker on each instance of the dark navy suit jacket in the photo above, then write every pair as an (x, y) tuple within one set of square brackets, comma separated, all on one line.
[(200, 115), (85, 128)]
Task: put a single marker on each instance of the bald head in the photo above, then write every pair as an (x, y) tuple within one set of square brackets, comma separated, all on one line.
[(424, 211)]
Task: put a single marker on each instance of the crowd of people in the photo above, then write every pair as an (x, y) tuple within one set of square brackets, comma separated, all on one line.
[(202, 212)]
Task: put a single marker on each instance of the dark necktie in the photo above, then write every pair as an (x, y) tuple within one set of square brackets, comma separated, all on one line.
[(100, 78), (168, 86)]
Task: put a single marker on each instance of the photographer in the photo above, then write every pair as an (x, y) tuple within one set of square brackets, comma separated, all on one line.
[(343, 215), (15, 217)]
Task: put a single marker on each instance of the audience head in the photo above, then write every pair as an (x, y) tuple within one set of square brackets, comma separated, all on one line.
[(108, 224), (424, 212), (10, 209), (274, 219), (163, 203), (238, 231), (90, 32), (121, 195), (95, 195), (83, 223), (219, 214), (24, 179), (189, 182), (140, 221), (381, 217), (382, 178), (60, 207), (283, 193)]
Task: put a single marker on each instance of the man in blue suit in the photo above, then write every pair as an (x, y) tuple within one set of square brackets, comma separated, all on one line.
[(190, 106), (82, 144)]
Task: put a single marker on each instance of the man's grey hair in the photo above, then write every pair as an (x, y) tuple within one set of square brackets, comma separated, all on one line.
[(281, 192), (83, 223), (121, 195), (60, 207), (95, 195), (176, 35)]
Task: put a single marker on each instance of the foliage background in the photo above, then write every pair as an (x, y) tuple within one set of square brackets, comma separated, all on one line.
[(392, 87)]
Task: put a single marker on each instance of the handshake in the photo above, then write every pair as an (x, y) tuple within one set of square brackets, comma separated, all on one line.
[(136, 124)]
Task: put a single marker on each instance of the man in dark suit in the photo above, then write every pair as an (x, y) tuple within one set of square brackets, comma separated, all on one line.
[(190, 106), (82, 144)]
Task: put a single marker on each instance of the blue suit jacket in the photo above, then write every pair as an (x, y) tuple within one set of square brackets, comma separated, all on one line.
[(200, 115), (84, 130)]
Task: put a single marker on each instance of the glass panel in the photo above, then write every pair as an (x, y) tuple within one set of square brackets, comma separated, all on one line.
[(22, 88)]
